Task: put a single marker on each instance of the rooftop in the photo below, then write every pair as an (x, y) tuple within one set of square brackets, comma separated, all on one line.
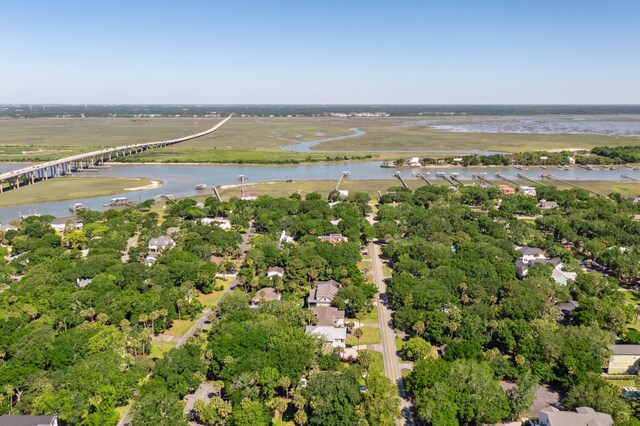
[(625, 349), (328, 316), (7, 420)]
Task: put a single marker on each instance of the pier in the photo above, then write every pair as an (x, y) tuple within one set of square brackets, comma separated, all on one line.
[(399, 176), (524, 177)]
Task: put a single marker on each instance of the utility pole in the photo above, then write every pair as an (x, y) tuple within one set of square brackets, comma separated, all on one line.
[(242, 179)]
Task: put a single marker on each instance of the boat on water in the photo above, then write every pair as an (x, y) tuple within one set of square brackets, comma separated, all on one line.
[(77, 207), (201, 186)]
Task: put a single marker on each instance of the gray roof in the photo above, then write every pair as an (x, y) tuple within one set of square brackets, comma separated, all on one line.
[(583, 416), (328, 316), (7, 420), (64, 220), (267, 293), (162, 241), (555, 261), (533, 251), (625, 349), (568, 306), (323, 291)]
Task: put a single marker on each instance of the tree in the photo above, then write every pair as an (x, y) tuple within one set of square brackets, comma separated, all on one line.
[(332, 398), (213, 413), (522, 396), (279, 406), (157, 407), (416, 348), (593, 391), (251, 413), (357, 333), (381, 403)]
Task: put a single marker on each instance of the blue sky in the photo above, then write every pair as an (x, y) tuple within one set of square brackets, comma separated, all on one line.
[(309, 52)]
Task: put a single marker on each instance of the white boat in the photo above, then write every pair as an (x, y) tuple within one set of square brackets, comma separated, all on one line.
[(201, 186)]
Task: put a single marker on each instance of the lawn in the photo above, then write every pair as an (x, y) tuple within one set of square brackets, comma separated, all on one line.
[(377, 361), (371, 317), (70, 188), (158, 349), (370, 336), (208, 300), (180, 327)]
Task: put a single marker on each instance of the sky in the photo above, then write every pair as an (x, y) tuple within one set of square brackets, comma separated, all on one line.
[(314, 52)]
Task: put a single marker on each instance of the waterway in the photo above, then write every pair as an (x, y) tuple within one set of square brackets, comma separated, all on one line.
[(180, 180)]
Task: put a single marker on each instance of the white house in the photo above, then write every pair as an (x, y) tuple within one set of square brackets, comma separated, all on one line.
[(531, 253), (160, 244), (527, 190), (414, 162), (222, 222), (285, 239), (583, 416), (343, 192), (275, 271), (60, 224), (335, 336), (546, 205)]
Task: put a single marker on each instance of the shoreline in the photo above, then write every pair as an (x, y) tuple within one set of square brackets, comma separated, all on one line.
[(153, 185)]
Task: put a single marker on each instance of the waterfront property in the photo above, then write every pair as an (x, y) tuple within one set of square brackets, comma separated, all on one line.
[(624, 359)]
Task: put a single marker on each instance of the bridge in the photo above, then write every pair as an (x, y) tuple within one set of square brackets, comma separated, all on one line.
[(64, 166)]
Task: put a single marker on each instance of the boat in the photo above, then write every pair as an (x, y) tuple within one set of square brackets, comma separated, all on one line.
[(612, 168), (119, 201), (201, 186), (77, 207)]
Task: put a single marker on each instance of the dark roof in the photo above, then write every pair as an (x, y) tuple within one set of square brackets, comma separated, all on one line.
[(328, 316), (323, 291), (7, 420), (533, 251), (555, 261), (568, 306)]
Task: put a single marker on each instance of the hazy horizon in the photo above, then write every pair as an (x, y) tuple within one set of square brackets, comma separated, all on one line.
[(287, 53)]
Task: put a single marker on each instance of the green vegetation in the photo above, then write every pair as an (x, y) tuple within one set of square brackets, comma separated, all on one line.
[(258, 140), (69, 188), (369, 336)]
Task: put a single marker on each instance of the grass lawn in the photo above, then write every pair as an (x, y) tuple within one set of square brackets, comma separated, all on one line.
[(70, 188), (371, 317), (405, 372), (399, 342), (208, 300), (123, 409), (180, 327), (158, 349), (370, 336), (377, 362), (620, 383)]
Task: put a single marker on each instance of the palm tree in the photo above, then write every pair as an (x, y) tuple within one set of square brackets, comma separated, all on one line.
[(143, 318), (357, 333), (8, 389), (279, 406)]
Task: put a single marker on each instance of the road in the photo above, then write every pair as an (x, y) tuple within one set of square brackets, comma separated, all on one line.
[(244, 247), (392, 368)]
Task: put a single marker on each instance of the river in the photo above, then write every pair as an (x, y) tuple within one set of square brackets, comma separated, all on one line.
[(180, 180)]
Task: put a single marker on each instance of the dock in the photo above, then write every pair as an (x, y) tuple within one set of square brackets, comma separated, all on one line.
[(423, 176), (445, 177), (399, 176), (524, 177)]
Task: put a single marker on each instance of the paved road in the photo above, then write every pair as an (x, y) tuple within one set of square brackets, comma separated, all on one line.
[(392, 366), (244, 246)]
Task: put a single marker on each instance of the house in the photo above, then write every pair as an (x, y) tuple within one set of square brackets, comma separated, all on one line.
[(530, 253), (563, 277), (83, 282), (7, 227), (334, 238), (571, 160), (527, 190), (343, 192), (222, 222), (506, 189), (264, 295), (150, 260), (335, 336), (172, 230), (329, 316), (60, 224), (160, 244), (583, 416), (7, 420), (322, 293), (414, 162), (624, 359), (275, 271), (546, 205), (567, 307), (285, 239)]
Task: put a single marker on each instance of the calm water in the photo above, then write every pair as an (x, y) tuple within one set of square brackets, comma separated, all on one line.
[(180, 180)]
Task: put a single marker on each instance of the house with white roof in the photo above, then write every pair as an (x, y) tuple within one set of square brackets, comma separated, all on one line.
[(334, 336), (222, 222), (527, 190), (275, 271), (414, 162)]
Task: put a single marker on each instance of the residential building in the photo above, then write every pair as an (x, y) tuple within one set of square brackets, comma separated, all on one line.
[(329, 316), (343, 192), (285, 239), (545, 205), (264, 295), (150, 259), (83, 282), (527, 190), (60, 224), (506, 189), (566, 308), (583, 416), (624, 359), (160, 244), (334, 238), (172, 230), (530, 253), (275, 271), (571, 160), (222, 222), (414, 162), (322, 293), (7, 420), (335, 336)]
